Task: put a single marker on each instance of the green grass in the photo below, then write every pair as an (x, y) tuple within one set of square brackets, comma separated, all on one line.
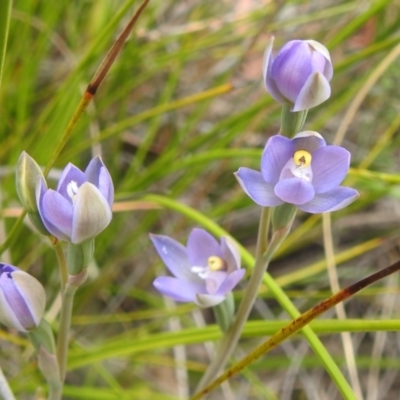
[(182, 108)]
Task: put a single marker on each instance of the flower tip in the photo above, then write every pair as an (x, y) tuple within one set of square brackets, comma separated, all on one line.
[(320, 48), (154, 237)]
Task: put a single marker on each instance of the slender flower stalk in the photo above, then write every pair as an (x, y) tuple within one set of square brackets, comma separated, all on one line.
[(291, 122), (230, 340), (62, 263), (263, 230), (73, 282)]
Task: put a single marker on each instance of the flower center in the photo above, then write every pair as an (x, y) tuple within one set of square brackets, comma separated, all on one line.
[(302, 158), (214, 263), (72, 190), (302, 165)]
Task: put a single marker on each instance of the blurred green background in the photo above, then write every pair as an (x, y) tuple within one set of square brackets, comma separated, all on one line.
[(183, 107)]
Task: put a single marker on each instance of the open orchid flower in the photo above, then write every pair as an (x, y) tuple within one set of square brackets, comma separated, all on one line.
[(204, 271), (303, 171), (299, 75), (80, 208)]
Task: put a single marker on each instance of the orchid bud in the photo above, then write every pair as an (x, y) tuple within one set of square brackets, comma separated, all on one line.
[(299, 75), (22, 299), (28, 173), (80, 208)]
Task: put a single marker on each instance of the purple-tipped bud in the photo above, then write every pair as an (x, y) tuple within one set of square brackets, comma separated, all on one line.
[(80, 208), (299, 75), (22, 299)]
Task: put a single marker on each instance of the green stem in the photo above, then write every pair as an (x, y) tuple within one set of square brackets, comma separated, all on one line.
[(262, 238), (5, 13), (55, 393), (230, 340), (224, 312), (62, 264), (73, 282), (291, 122), (48, 364)]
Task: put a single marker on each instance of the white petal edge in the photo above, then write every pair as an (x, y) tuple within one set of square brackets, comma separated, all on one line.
[(314, 92), (267, 57), (326, 202), (208, 300)]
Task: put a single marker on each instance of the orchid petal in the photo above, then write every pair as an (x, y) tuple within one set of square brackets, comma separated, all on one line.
[(254, 185), (230, 253), (267, 59), (291, 68), (8, 317), (277, 151), (294, 191), (177, 289), (97, 173), (70, 174), (214, 280), (56, 213), (91, 213), (201, 246), (309, 141), (330, 165), (175, 257), (273, 90), (328, 69), (231, 281), (314, 92), (333, 200), (34, 296), (270, 83), (208, 300), (17, 303)]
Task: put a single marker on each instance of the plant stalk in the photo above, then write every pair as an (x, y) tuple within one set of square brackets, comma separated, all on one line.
[(230, 340)]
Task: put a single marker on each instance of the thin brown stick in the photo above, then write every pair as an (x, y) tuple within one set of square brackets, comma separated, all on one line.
[(113, 52), (296, 325), (94, 85)]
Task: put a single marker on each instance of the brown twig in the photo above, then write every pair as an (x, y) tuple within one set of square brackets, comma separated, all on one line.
[(297, 324)]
